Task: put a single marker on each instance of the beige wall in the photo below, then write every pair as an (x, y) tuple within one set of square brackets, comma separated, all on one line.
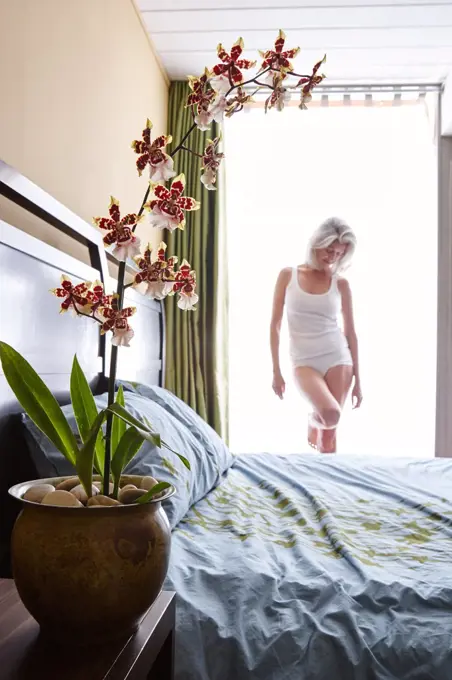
[(78, 79)]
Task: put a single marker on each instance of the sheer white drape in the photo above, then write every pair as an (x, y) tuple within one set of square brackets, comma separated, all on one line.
[(376, 168)]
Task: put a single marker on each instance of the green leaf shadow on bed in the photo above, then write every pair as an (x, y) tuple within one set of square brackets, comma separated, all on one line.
[(371, 526)]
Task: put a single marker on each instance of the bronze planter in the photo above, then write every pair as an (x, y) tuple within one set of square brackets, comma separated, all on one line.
[(88, 575)]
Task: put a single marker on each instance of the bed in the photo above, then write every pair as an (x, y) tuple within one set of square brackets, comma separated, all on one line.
[(285, 568)]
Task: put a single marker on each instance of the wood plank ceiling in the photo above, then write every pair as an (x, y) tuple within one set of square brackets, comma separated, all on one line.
[(366, 41)]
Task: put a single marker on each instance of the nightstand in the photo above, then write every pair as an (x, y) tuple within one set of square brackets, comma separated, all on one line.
[(24, 655)]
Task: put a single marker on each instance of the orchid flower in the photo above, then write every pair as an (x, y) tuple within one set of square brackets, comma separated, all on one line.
[(277, 60), (238, 101), (229, 72), (200, 100), (161, 166), (74, 296), (156, 276), (280, 95), (167, 207), (96, 296), (210, 163), (309, 83), (218, 107), (116, 320), (216, 93), (185, 285), (120, 232)]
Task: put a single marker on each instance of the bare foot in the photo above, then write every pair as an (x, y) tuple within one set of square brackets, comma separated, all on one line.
[(327, 441)]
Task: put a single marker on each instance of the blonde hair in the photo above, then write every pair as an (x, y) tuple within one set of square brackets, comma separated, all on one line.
[(331, 230)]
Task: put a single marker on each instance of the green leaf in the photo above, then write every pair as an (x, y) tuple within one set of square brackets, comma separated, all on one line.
[(158, 441), (184, 460), (119, 425), (85, 456), (127, 448), (151, 493), (147, 433), (121, 412), (38, 402), (85, 411)]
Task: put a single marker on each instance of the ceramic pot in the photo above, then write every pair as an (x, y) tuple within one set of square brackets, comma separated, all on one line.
[(89, 574)]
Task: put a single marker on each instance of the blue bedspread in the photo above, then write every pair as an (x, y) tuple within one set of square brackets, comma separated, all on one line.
[(317, 568)]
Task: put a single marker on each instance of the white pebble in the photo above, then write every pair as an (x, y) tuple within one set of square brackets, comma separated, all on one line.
[(68, 484), (38, 492), (80, 493), (100, 500), (128, 486), (61, 498), (128, 496), (148, 483)]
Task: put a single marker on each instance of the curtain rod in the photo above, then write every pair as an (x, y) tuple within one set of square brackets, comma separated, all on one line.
[(368, 88)]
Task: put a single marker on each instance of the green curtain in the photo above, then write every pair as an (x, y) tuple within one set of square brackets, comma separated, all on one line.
[(192, 371)]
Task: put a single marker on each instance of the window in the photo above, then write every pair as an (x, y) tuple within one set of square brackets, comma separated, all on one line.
[(376, 167)]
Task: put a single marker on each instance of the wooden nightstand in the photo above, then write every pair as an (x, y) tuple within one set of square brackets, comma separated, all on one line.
[(24, 655)]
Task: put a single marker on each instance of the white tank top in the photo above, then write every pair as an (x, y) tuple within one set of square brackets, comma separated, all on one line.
[(313, 320)]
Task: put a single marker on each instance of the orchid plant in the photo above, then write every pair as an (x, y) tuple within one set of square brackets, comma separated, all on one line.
[(219, 92)]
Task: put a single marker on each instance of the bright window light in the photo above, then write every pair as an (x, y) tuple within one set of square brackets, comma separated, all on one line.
[(376, 168)]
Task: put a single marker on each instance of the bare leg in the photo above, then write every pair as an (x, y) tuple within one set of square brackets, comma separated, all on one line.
[(326, 408), (339, 380), (313, 435)]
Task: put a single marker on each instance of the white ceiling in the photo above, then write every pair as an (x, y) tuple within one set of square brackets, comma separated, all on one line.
[(369, 41)]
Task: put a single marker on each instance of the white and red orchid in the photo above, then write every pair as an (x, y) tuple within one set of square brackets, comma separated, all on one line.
[(200, 100), (215, 94), (209, 178), (238, 101), (277, 60), (168, 206), (211, 162), (156, 276), (185, 285), (228, 73), (161, 166), (96, 296), (74, 297), (280, 95), (218, 107), (120, 232), (116, 320), (309, 83), (204, 120)]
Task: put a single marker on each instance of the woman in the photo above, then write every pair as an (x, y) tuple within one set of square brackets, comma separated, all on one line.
[(324, 357)]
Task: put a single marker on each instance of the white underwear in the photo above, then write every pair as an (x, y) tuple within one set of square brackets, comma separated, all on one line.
[(323, 363)]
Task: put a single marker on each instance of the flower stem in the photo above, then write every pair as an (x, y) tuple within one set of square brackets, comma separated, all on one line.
[(298, 75), (143, 203), (247, 82), (88, 316), (185, 148), (183, 140), (111, 385), (114, 349)]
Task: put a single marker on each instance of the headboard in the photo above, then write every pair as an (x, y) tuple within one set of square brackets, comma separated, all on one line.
[(31, 323)]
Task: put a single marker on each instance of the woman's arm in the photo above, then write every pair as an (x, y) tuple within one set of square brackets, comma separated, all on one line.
[(275, 329), (352, 339)]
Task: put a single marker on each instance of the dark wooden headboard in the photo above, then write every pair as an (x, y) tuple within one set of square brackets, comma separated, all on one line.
[(31, 323)]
